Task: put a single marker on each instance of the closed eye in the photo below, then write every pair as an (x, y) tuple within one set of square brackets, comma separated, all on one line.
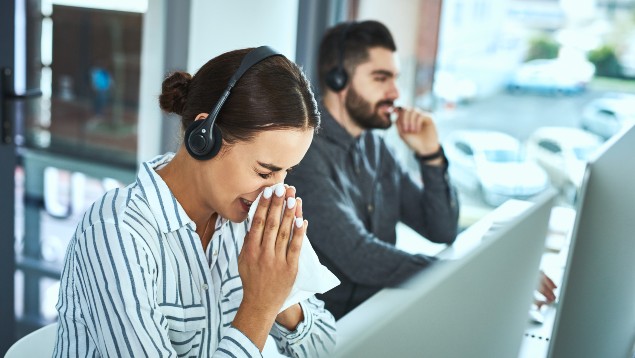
[(274, 169)]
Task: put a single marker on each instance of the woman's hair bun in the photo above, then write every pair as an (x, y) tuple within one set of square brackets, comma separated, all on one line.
[(174, 92)]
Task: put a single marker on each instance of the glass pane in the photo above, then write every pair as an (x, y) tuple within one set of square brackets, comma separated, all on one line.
[(91, 89), (81, 131), (514, 67)]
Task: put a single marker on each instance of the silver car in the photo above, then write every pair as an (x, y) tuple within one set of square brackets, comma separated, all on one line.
[(492, 163)]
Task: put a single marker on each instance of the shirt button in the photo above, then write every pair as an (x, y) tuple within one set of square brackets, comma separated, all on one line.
[(370, 208), (215, 253), (205, 287)]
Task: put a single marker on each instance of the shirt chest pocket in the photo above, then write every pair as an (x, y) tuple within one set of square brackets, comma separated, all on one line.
[(185, 326)]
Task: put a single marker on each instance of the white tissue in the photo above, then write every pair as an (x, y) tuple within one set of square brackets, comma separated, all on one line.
[(312, 276)]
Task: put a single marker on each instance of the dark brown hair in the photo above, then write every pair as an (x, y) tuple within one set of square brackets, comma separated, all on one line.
[(360, 37), (273, 94)]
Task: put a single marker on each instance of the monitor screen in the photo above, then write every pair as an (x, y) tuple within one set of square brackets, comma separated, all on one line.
[(595, 315), (474, 306)]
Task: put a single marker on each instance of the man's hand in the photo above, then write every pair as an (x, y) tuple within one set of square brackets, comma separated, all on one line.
[(546, 288), (417, 129)]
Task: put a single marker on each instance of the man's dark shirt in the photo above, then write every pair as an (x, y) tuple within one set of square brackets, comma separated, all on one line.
[(353, 194)]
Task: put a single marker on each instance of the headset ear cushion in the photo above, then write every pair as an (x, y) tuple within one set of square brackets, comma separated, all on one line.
[(218, 142), (198, 144), (336, 79)]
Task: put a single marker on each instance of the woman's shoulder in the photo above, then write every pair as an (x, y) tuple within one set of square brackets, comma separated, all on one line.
[(121, 210)]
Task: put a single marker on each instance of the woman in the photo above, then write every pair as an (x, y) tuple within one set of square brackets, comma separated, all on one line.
[(165, 266)]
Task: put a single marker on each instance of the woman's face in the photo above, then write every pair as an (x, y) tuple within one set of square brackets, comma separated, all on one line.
[(242, 170)]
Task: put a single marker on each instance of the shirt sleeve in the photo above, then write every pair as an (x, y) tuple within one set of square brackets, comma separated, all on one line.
[(115, 273), (313, 337), (236, 344), (431, 210), (340, 236), (111, 278)]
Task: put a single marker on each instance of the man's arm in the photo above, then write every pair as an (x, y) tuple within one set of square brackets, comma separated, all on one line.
[(435, 214), (432, 211), (338, 234)]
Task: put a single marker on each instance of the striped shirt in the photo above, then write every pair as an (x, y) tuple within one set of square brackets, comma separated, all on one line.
[(137, 283)]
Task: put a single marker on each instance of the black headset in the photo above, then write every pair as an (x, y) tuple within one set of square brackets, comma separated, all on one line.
[(337, 78), (203, 139)]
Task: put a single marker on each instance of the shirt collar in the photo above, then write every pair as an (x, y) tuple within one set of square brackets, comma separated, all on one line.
[(167, 211), (331, 130)]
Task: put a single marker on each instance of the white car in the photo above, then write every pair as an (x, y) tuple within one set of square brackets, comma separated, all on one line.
[(563, 153), (492, 162), (606, 115), (552, 76), (452, 89)]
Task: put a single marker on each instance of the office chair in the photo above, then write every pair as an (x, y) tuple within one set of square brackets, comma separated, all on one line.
[(39, 343)]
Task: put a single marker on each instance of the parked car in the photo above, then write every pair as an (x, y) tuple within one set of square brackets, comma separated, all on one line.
[(606, 115), (552, 76), (453, 90), (563, 153), (493, 163)]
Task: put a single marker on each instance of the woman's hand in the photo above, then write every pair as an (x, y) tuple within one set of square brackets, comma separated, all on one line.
[(268, 262)]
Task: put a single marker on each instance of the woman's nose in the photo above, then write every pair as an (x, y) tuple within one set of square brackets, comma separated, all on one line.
[(276, 178)]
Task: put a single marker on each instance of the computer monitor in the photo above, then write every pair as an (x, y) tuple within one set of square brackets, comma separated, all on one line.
[(475, 306), (595, 315)]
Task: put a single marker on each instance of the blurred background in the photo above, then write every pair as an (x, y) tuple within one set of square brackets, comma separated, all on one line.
[(523, 92)]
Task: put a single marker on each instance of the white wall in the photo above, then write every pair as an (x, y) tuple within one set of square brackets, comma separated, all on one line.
[(152, 63), (215, 27), (220, 26)]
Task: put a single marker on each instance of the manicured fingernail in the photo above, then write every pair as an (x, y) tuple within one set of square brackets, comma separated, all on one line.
[(280, 189), (299, 222), (267, 193), (290, 203)]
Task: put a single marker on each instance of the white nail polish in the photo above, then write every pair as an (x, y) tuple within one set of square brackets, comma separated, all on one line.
[(290, 203), (299, 222), (279, 190), (267, 193)]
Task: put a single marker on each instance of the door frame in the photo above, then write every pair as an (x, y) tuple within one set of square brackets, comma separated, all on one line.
[(8, 163)]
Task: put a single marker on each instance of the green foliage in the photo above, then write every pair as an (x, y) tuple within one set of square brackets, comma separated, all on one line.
[(606, 62), (542, 46)]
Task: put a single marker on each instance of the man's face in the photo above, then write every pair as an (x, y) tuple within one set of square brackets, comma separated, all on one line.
[(373, 90)]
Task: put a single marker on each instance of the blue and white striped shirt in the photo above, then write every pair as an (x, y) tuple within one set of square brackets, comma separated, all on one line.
[(136, 283)]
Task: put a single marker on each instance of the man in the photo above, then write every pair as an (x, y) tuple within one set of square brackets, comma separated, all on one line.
[(353, 188)]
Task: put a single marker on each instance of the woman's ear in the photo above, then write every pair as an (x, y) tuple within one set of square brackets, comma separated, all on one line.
[(201, 116)]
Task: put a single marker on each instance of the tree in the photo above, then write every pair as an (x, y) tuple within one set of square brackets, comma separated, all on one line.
[(542, 46), (606, 62)]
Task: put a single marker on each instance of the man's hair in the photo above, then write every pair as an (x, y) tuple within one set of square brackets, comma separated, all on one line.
[(359, 38)]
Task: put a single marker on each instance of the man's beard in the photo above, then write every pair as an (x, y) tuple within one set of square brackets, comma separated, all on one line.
[(363, 113)]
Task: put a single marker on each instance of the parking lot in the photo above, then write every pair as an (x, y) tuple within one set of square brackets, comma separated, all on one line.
[(517, 114)]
